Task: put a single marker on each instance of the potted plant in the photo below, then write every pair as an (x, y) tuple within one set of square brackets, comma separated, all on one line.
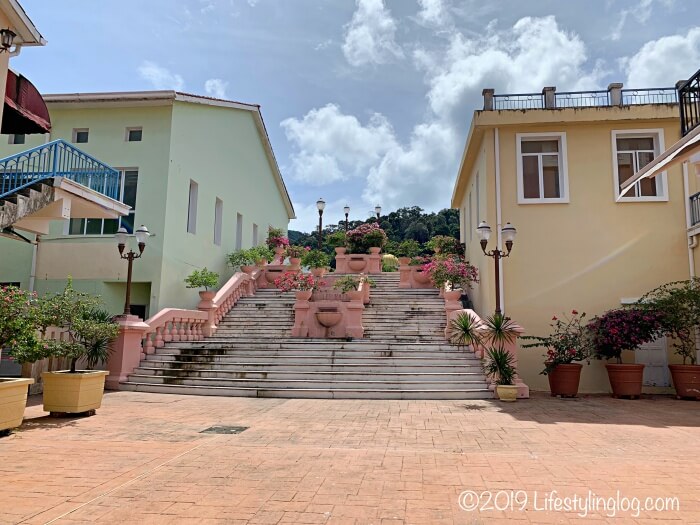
[(337, 240), (616, 331), (89, 332), (349, 284), (418, 262), (466, 330), (568, 344), (678, 303), (302, 283), (500, 367), (451, 272), (406, 250), (244, 260), (261, 254), (277, 241), (295, 253), (317, 260), (18, 327), (203, 279), (366, 236), (445, 245)]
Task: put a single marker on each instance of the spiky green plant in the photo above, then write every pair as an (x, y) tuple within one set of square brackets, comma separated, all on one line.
[(465, 330)]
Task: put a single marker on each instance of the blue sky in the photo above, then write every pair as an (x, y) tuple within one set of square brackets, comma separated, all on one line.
[(369, 101)]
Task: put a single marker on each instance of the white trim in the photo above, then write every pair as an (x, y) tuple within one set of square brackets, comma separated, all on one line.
[(129, 130), (25, 28), (192, 197), (560, 136), (74, 136), (218, 220), (662, 182)]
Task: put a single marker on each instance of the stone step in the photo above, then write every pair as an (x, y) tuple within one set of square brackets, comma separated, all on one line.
[(307, 368), (301, 345), (336, 354), (315, 359), (311, 393)]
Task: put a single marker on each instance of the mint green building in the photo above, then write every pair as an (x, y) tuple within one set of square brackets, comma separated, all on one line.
[(199, 172)]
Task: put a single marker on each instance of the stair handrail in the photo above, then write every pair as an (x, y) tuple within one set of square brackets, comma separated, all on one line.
[(239, 285), (57, 158), (173, 324)]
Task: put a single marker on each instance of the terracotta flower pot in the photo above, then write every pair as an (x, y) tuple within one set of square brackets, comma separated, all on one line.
[(340, 250), (248, 269), (295, 262), (328, 318), (404, 260), (261, 263), (564, 379), (421, 277), (355, 295), (452, 295), (318, 272), (374, 250), (207, 295), (357, 264), (625, 379), (686, 380), (303, 295), (73, 393), (271, 275), (508, 393)]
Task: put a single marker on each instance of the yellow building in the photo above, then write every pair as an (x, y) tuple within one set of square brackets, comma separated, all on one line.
[(552, 165)]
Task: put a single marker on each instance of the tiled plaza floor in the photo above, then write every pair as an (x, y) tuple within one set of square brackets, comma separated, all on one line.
[(142, 459)]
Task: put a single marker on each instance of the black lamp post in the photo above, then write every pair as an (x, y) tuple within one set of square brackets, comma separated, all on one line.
[(508, 233), (320, 204), (121, 236), (347, 212), (378, 211)]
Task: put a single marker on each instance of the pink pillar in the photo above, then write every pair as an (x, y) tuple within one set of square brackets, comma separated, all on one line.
[(127, 351), (354, 327), (301, 318), (375, 261), (341, 262), (404, 276), (207, 305)]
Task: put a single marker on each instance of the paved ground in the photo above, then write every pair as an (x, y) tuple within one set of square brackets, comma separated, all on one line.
[(142, 459)]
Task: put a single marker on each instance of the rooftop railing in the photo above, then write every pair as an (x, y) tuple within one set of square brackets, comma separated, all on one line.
[(689, 98), (550, 99)]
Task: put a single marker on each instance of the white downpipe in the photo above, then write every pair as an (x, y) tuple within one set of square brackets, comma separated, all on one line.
[(16, 51), (693, 241), (32, 273), (497, 165)]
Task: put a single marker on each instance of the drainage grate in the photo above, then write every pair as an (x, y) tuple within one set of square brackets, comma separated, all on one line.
[(223, 429)]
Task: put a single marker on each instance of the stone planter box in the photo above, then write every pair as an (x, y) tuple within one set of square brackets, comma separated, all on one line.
[(13, 400), (413, 277), (356, 263), (73, 393)]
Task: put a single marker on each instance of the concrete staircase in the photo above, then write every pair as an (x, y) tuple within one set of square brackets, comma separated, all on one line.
[(403, 355)]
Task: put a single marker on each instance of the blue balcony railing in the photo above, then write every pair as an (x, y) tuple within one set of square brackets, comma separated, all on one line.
[(56, 159), (695, 209), (689, 98)]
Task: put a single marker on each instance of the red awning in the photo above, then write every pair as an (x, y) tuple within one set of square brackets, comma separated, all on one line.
[(25, 111)]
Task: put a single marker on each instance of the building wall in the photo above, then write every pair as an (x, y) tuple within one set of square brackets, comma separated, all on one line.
[(221, 150), (591, 253), (93, 260), (4, 64)]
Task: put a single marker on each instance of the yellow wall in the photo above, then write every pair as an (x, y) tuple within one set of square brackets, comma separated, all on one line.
[(4, 64), (588, 254)]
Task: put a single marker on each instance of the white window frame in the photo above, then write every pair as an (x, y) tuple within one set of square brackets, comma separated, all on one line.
[(192, 198), (218, 220), (75, 135), (239, 231), (661, 180), (560, 136), (255, 234), (133, 128)]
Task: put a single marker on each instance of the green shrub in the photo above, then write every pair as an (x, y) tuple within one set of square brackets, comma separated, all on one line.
[(315, 259), (202, 279), (409, 248)]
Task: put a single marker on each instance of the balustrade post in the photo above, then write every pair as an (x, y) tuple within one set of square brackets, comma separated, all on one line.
[(127, 350), (208, 306)]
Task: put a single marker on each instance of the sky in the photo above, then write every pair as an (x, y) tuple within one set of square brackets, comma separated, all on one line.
[(366, 101)]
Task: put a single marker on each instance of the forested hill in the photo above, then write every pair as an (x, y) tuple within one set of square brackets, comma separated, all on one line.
[(399, 225)]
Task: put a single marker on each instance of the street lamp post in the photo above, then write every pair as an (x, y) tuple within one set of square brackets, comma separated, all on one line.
[(378, 211), (121, 236), (347, 212), (508, 233), (320, 204)]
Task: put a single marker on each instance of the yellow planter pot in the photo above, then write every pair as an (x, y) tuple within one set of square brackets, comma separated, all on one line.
[(507, 392), (73, 393), (13, 399)]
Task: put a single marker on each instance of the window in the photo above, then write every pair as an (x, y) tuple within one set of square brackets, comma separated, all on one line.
[(134, 134), (541, 168), (128, 182), (239, 231), (255, 234), (80, 135), (192, 208), (17, 139), (632, 150), (218, 218)]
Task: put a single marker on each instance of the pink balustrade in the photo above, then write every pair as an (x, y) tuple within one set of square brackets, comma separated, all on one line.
[(356, 263), (413, 277)]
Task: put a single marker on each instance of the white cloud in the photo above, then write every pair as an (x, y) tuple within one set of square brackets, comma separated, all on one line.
[(662, 62), (533, 54), (333, 146), (215, 87), (160, 77), (433, 13), (369, 37), (641, 12)]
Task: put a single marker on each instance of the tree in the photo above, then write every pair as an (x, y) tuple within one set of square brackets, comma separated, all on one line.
[(418, 232)]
